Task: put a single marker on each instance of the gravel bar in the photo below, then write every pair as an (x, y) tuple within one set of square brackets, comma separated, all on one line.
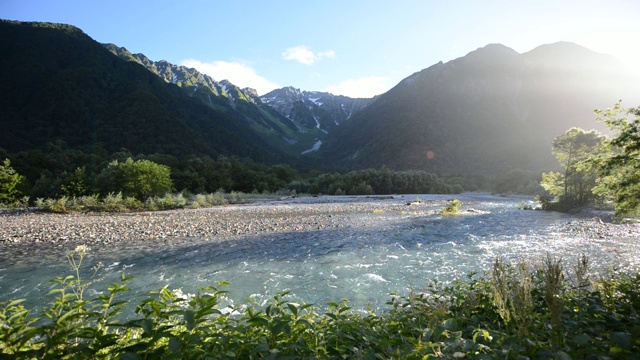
[(258, 218), (21, 229)]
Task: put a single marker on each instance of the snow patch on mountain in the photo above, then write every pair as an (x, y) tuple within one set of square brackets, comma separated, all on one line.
[(315, 147), (290, 141), (317, 119), (315, 101)]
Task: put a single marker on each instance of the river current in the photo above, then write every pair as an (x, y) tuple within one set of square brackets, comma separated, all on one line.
[(393, 252)]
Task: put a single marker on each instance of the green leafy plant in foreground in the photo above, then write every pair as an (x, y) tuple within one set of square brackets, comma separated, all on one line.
[(512, 312)]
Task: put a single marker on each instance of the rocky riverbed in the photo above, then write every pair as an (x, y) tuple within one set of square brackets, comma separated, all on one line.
[(323, 248), (258, 218), (20, 228)]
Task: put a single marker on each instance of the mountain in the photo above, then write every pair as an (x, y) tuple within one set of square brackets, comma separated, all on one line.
[(272, 126), (491, 109), (287, 118), (59, 84), (308, 109)]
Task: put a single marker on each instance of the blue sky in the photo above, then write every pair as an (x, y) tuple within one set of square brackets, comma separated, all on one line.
[(354, 48)]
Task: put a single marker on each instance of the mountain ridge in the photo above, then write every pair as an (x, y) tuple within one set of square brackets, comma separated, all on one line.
[(490, 109), (513, 104), (294, 124), (60, 84)]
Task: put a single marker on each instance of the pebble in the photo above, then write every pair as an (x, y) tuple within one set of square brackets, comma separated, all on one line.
[(24, 227), (21, 228)]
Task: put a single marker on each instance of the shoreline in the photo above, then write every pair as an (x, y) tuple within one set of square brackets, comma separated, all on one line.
[(255, 218)]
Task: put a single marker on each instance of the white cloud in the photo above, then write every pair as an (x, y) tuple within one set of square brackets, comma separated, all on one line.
[(304, 55), (360, 88), (329, 54), (237, 73)]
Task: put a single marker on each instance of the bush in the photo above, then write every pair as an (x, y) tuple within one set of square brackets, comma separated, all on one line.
[(167, 202), (141, 179), (9, 182), (452, 207), (113, 202), (512, 312), (235, 197)]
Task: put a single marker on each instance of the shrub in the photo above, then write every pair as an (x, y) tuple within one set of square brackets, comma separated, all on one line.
[(167, 202), (460, 320), (235, 197), (141, 179), (9, 181), (452, 207), (113, 202)]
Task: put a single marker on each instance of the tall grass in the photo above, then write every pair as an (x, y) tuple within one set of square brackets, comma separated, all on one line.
[(505, 314), (115, 202)]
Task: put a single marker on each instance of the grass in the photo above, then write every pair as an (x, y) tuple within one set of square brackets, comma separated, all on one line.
[(117, 203), (513, 312)]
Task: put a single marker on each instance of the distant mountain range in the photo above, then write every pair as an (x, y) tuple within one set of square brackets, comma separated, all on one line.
[(491, 109), (317, 109), (287, 118)]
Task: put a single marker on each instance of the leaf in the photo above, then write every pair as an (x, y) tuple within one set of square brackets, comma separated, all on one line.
[(281, 327), (293, 308), (582, 339), (174, 345), (331, 315), (259, 321), (14, 303), (450, 324), (130, 356), (146, 325), (189, 318), (621, 340)]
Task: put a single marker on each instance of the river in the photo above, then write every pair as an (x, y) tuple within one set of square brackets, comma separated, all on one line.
[(383, 252)]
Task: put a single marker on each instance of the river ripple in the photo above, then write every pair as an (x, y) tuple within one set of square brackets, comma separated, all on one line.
[(333, 248)]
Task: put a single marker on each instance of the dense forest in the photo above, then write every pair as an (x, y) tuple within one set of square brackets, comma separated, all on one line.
[(596, 170)]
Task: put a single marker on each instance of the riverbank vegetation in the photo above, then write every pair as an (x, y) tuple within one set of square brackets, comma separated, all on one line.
[(550, 310), (150, 183), (598, 169)]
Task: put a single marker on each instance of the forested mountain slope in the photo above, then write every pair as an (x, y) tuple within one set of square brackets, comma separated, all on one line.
[(59, 84), (491, 109)]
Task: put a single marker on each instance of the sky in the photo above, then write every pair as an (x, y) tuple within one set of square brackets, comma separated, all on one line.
[(357, 48)]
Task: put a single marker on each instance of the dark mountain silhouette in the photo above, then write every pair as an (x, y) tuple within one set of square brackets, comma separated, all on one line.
[(491, 109), (59, 84)]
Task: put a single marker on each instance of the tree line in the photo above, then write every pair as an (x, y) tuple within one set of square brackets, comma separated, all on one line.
[(595, 170), (63, 172)]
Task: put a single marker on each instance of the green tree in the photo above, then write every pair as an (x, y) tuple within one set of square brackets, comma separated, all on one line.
[(573, 187), (74, 183), (140, 179), (619, 166), (9, 181)]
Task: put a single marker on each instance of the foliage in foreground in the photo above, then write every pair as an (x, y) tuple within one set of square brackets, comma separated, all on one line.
[(512, 312)]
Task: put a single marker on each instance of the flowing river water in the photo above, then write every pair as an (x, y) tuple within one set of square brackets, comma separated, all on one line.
[(384, 251)]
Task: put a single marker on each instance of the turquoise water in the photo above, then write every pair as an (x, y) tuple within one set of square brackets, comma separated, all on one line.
[(392, 251)]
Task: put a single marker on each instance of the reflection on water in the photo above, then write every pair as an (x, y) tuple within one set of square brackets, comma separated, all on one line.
[(395, 251)]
